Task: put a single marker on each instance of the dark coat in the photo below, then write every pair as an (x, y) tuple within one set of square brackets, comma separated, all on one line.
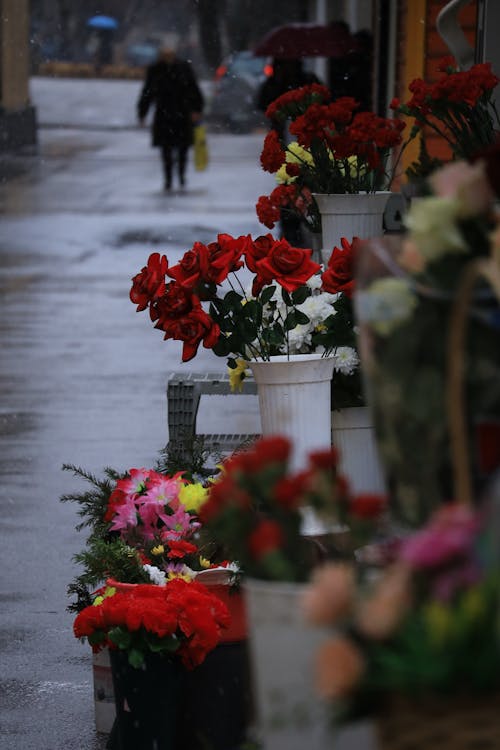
[(173, 89)]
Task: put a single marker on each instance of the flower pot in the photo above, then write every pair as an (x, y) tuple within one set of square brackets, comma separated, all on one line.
[(353, 435), (350, 215), (294, 401), (146, 700), (104, 697), (290, 716)]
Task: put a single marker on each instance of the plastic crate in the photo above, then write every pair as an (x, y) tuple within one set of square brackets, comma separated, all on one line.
[(183, 396)]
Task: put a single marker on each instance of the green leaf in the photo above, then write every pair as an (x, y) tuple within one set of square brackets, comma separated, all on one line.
[(233, 298), (300, 295), (266, 294), (291, 320), (120, 637), (286, 298), (301, 318), (222, 347), (135, 658)]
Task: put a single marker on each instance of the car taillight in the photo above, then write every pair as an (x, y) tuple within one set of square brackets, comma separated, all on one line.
[(220, 72), (268, 70)]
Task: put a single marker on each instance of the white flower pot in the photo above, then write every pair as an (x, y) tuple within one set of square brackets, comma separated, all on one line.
[(290, 716), (350, 215), (294, 401), (353, 435)]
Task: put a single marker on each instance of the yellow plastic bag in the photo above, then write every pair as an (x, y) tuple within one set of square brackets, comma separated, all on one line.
[(200, 148)]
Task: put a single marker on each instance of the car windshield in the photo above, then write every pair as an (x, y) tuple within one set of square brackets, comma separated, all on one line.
[(247, 63)]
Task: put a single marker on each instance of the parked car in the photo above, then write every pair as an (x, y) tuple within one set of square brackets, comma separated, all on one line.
[(237, 80)]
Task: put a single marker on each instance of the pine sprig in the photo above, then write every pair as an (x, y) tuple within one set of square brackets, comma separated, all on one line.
[(92, 502)]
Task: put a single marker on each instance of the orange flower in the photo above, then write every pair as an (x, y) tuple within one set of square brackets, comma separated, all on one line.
[(339, 668), (329, 597), (379, 615)]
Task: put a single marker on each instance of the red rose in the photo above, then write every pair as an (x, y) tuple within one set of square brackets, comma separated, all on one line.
[(194, 328), (149, 284), (176, 303), (193, 266), (224, 257), (367, 506), (257, 250), (265, 538), (290, 266), (338, 276)]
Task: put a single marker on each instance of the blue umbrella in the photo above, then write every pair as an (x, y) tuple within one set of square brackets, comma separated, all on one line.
[(102, 22)]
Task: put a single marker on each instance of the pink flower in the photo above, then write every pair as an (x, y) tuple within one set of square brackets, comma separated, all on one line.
[(467, 183), (339, 668), (380, 614), (449, 536)]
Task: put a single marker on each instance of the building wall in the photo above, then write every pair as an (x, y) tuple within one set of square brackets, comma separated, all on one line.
[(17, 116)]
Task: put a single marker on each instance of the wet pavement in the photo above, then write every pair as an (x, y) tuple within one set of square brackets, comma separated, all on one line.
[(82, 375)]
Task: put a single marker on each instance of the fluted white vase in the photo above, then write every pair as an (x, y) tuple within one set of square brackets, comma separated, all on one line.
[(350, 215)]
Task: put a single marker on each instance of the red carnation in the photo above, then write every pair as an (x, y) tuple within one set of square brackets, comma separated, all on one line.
[(273, 155), (367, 506), (180, 548), (265, 538)]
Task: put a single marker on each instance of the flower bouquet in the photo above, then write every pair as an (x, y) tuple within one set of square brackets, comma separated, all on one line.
[(458, 107), (252, 299), (416, 646), (406, 291)]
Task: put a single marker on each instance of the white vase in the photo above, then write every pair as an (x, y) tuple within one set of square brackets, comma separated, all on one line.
[(290, 716), (294, 401), (353, 435), (350, 215)]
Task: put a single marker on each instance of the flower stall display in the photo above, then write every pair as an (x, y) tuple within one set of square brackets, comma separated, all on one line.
[(339, 152), (256, 510), (150, 630), (458, 107), (145, 534), (406, 290), (416, 646), (264, 302)]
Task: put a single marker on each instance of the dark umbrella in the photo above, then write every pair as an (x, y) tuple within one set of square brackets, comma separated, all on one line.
[(304, 40), (102, 22)]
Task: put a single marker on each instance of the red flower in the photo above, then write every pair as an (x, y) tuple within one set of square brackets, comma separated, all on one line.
[(193, 266), (149, 284), (180, 548), (339, 275), (193, 329), (177, 302), (273, 154), (224, 257), (324, 459), (289, 491), (258, 249), (290, 266), (367, 506), (267, 213), (265, 538)]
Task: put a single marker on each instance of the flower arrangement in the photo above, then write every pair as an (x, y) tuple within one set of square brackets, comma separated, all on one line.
[(425, 626), (145, 529), (181, 618), (406, 289), (264, 298), (458, 107), (338, 149), (257, 506)]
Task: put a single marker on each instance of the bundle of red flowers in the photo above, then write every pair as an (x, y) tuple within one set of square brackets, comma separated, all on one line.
[(458, 106), (256, 509), (338, 149), (180, 618)]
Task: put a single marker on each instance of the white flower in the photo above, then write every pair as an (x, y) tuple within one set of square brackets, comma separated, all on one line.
[(156, 575), (314, 282), (433, 227), (346, 359), (386, 304)]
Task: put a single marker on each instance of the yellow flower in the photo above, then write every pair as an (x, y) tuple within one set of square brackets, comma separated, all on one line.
[(183, 576), (108, 591), (158, 550), (192, 496), (295, 154), (238, 374), (204, 562), (439, 621)]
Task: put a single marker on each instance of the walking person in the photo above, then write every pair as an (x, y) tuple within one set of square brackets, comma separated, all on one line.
[(170, 85)]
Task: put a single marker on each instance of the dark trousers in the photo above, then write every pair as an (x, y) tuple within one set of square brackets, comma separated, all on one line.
[(169, 154)]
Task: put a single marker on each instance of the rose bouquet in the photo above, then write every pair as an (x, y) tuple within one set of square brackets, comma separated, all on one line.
[(251, 299), (421, 631), (458, 107), (406, 289), (181, 618), (257, 506)]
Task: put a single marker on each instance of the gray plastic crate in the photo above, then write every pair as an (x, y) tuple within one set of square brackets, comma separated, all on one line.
[(183, 396)]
